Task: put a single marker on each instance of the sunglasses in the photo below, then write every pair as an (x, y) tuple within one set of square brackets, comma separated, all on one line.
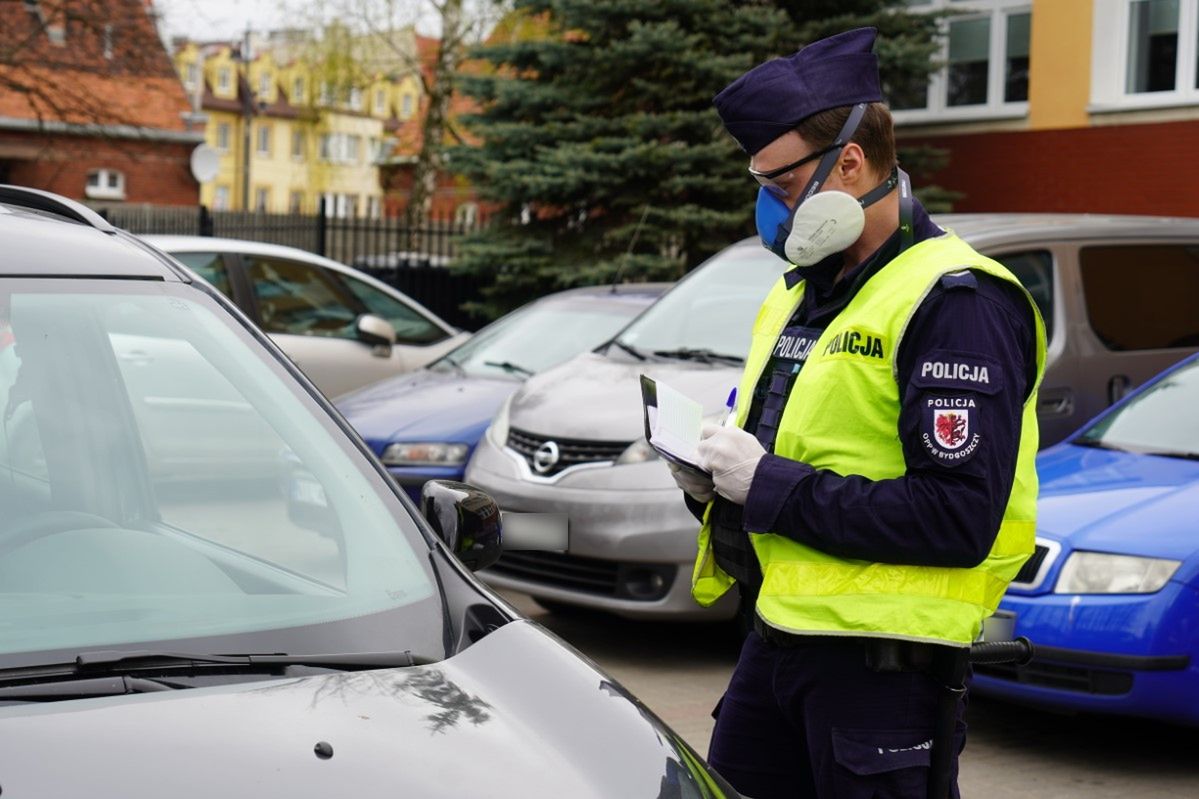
[(767, 179)]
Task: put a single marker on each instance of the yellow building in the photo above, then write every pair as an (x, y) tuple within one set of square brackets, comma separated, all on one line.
[(1063, 105), (288, 134)]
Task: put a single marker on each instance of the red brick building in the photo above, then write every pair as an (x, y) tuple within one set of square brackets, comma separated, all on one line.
[(90, 105)]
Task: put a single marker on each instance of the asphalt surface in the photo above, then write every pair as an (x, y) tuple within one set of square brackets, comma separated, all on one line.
[(679, 671)]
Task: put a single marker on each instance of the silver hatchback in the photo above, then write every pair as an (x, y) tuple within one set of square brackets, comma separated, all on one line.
[(1120, 299)]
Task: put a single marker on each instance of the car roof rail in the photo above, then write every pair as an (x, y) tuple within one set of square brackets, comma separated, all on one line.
[(39, 200)]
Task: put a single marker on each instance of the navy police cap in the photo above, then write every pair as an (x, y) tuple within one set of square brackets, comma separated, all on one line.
[(774, 97)]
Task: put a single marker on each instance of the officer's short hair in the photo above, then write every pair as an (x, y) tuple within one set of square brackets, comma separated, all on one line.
[(875, 135)]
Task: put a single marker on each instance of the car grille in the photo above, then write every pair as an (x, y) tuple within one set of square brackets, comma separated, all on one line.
[(1066, 678), (645, 582), (1028, 572), (571, 451)]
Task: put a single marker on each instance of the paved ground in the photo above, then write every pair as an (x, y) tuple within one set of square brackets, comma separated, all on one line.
[(680, 671)]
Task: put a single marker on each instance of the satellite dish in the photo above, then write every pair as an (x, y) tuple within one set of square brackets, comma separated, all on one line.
[(205, 162)]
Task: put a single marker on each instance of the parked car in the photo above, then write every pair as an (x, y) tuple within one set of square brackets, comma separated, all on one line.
[(1120, 299), (345, 329), (192, 635), (1111, 597), (425, 424)]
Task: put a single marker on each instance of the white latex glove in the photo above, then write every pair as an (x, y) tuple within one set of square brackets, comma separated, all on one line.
[(700, 488), (731, 455)]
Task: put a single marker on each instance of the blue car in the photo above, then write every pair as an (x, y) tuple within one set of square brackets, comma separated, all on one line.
[(1111, 597), (425, 425)]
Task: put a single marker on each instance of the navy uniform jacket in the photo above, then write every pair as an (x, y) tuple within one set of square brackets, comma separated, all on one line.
[(943, 511)]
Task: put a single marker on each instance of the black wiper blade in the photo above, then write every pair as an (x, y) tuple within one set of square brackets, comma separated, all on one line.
[(117, 661), (630, 349), (510, 367), (59, 690), (704, 355), (1168, 453)]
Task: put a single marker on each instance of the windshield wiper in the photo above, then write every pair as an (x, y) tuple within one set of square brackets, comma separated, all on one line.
[(629, 348), (457, 367), (509, 367), (1095, 443), (58, 690), (1167, 453), (704, 355), (118, 661)]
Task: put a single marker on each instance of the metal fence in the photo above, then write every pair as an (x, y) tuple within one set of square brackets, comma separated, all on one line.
[(412, 258)]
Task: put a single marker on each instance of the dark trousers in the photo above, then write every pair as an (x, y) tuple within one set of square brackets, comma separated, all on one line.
[(813, 720)]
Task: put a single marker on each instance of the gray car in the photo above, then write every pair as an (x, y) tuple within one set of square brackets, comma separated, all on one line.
[(344, 328), (171, 628), (1120, 299)]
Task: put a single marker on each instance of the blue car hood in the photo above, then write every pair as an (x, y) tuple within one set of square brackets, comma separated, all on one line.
[(426, 406), (1119, 501), (516, 714)]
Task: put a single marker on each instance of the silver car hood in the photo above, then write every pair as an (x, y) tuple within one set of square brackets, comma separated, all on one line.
[(598, 398), (516, 714)]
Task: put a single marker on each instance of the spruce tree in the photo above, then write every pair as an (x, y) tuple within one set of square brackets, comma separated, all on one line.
[(598, 141)]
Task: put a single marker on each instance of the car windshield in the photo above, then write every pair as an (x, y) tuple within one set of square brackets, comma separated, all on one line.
[(541, 334), (1159, 420), (165, 478), (712, 310)]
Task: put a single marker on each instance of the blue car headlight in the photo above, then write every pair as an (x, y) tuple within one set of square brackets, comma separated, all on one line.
[(425, 453), (1103, 573)]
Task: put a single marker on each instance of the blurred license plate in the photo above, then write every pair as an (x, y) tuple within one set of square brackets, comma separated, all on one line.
[(544, 532)]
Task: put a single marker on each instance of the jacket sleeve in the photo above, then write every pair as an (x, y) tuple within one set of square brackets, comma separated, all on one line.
[(965, 368)]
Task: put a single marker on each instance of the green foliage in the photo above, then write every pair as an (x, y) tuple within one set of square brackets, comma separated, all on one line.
[(599, 143)]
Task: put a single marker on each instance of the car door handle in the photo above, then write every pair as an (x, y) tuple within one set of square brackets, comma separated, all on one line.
[(1055, 402), (1117, 387)]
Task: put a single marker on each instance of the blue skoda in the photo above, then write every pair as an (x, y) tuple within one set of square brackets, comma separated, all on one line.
[(1111, 597)]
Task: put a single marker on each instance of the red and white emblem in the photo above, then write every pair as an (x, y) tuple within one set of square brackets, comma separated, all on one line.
[(951, 428)]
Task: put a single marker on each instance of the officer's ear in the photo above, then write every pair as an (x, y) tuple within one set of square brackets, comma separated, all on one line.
[(853, 169)]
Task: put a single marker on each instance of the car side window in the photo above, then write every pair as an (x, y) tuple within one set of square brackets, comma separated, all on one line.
[(1035, 270), (411, 326), (210, 266), (1142, 297), (300, 299)]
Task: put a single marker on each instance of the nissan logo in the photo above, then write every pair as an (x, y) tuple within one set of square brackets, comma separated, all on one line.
[(546, 457)]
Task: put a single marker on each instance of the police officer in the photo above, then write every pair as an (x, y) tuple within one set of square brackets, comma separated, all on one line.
[(876, 491)]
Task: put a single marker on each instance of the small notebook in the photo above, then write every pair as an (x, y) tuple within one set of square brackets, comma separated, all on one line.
[(672, 424)]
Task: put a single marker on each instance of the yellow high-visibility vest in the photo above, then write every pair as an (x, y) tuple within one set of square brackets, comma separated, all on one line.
[(843, 415)]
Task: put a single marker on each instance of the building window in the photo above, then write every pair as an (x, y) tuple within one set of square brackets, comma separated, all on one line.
[(224, 79), (222, 136), (295, 202), (986, 62), (353, 148), (262, 198), (191, 78), (105, 184), (264, 140), (380, 101), (297, 90), (264, 85), (355, 98), (326, 94), (1145, 53), (297, 144), (372, 207), (406, 107), (107, 40), (325, 148), (220, 199)]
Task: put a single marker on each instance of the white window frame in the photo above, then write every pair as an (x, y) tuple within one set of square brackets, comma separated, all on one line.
[(1109, 60), (224, 78), (220, 198), (406, 106), (355, 98), (192, 79), (301, 138), (264, 85), (262, 136), (380, 101), (223, 135), (262, 199), (938, 108), (111, 184), (297, 90)]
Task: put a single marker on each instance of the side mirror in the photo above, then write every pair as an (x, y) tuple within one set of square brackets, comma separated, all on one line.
[(375, 331), (466, 519)]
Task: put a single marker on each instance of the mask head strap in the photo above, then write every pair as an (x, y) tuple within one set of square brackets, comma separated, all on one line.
[(830, 158), (907, 229)]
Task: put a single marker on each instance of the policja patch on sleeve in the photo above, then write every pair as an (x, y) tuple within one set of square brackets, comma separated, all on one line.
[(948, 428)]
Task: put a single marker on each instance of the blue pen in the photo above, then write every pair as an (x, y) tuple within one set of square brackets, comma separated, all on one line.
[(730, 418)]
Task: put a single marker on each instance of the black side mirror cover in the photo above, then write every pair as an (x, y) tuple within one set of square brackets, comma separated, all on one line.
[(466, 519)]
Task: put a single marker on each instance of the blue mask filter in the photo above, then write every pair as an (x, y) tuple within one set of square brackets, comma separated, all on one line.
[(771, 216)]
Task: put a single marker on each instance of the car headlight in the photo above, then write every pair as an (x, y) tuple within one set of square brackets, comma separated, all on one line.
[(1101, 573), (497, 433), (638, 452), (425, 454)]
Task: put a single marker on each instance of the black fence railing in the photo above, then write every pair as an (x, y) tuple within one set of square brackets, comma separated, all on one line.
[(412, 258)]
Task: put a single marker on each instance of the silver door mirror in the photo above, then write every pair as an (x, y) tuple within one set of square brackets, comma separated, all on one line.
[(375, 331)]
